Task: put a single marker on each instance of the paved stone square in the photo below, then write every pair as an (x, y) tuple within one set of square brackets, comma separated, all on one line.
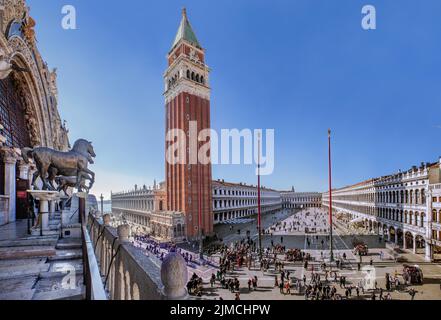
[(390, 263)]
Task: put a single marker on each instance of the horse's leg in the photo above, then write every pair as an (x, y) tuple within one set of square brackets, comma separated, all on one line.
[(92, 174), (78, 182), (34, 179), (52, 174), (43, 172)]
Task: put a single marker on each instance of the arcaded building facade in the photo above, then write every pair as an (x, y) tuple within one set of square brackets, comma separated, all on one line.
[(28, 106), (301, 200), (405, 207), (142, 208), (238, 200)]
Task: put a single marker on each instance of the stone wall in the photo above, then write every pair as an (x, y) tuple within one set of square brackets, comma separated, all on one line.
[(131, 275)]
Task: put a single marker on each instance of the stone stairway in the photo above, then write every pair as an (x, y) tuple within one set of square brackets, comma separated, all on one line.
[(40, 268)]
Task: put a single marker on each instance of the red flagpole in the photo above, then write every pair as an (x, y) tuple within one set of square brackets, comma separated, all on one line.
[(330, 192), (258, 198)]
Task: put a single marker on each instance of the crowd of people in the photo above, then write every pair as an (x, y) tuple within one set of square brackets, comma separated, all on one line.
[(276, 260)]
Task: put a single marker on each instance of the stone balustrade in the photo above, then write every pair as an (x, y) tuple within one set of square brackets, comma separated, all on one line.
[(129, 273)]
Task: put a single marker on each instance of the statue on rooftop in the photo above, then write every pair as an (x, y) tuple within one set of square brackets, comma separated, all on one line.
[(71, 165)]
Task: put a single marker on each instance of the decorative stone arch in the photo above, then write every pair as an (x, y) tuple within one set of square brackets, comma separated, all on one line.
[(416, 218), (420, 242), (422, 219), (392, 233), (32, 90), (408, 239), (39, 84), (400, 236)]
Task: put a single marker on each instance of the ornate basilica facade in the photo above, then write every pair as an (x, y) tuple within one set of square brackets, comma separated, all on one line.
[(28, 106)]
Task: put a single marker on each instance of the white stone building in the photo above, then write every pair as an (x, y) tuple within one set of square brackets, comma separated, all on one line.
[(299, 200), (138, 199), (142, 210), (404, 206), (238, 200)]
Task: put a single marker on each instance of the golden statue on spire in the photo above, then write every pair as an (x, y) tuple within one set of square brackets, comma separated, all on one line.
[(28, 29)]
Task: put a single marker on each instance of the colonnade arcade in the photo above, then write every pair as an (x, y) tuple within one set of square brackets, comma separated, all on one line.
[(394, 233), (163, 226)]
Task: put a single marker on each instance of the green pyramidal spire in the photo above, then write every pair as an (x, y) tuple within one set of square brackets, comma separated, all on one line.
[(186, 32)]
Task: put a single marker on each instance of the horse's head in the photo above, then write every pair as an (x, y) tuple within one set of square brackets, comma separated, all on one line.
[(85, 147)]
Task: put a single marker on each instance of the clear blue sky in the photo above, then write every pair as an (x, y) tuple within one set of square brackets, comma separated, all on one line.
[(296, 66)]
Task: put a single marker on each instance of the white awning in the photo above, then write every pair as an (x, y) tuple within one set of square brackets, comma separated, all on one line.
[(357, 220)]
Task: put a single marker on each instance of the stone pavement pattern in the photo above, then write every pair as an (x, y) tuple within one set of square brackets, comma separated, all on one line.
[(35, 267), (431, 289)]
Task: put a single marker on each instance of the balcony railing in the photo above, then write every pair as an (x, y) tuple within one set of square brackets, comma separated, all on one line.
[(435, 186), (92, 276)]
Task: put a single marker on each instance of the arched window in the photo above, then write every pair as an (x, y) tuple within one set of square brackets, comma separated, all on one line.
[(188, 74), (202, 80), (11, 114), (192, 76), (197, 78)]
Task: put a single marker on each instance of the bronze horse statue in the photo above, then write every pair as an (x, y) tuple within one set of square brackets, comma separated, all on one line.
[(51, 163)]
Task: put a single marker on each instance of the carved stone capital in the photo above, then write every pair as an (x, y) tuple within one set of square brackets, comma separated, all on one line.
[(8, 155)]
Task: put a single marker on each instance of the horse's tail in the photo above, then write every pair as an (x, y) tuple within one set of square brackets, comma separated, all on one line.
[(27, 153)]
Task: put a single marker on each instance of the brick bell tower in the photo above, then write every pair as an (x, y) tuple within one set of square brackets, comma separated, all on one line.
[(187, 102)]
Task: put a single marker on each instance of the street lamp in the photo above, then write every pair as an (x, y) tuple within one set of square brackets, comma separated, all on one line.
[(102, 204)]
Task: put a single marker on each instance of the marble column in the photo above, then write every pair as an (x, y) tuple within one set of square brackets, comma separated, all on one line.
[(429, 252), (414, 245), (404, 240), (44, 215), (52, 209), (44, 197), (23, 170), (8, 156)]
